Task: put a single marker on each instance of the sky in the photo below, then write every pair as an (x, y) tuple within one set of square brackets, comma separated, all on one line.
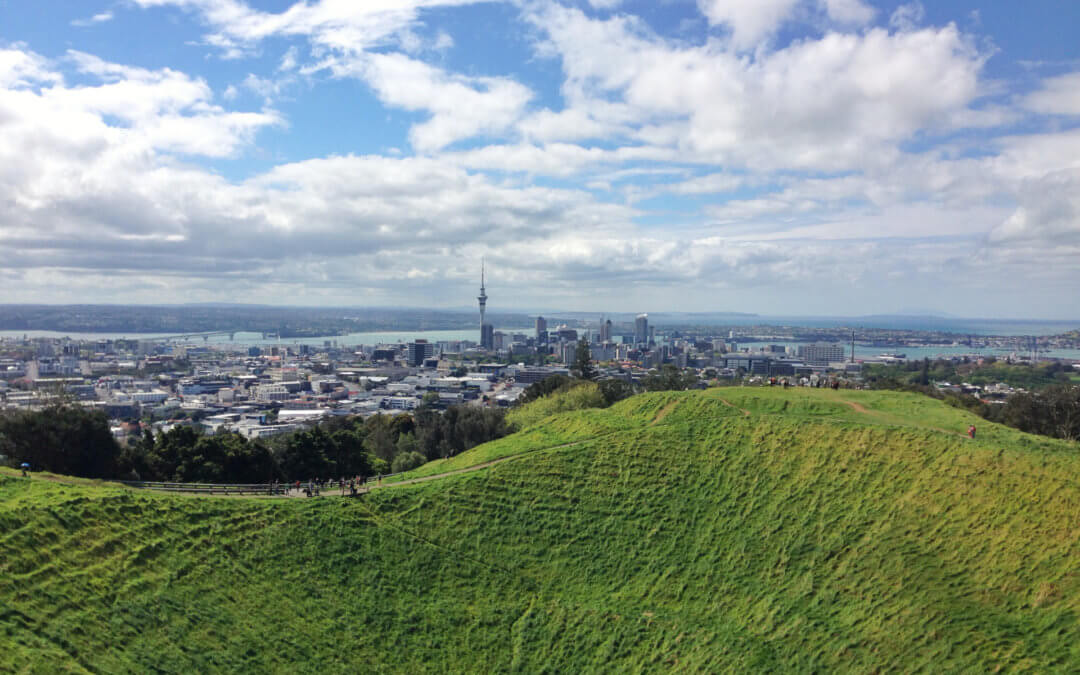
[(785, 157)]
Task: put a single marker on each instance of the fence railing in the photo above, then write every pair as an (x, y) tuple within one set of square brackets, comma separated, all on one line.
[(211, 488), (270, 489)]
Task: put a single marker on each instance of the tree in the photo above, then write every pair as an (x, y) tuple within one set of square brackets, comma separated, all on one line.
[(924, 372), (380, 442), (1055, 412), (669, 378), (407, 462), (616, 390), (430, 399), (548, 385), (66, 439), (304, 456), (583, 366), (406, 443)]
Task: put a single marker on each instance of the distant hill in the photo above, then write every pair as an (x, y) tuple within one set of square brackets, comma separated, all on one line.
[(734, 529)]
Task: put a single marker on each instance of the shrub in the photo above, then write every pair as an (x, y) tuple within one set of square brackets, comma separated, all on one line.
[(407, 461)]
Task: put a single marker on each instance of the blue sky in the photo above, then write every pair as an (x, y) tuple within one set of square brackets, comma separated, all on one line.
[(779, 156)]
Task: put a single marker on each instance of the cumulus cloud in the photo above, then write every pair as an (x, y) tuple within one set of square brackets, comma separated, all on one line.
[(1058, 96), (460, 107), (749, 22), (752, 23), (1048, 215), (828, 104)]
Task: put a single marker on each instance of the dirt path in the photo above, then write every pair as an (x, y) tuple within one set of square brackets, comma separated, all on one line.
[(857, 407), (664, 412), (475, 467), (744, 411)]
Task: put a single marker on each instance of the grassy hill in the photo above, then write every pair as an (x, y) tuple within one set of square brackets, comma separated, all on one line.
[(721, 530)]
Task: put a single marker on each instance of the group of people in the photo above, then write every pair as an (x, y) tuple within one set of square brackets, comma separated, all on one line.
[(315, 486)]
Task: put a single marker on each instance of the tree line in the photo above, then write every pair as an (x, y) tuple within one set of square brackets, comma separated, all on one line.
[(72, 440)]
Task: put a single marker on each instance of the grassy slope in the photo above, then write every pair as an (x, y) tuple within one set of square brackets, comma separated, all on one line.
[(810, 534)]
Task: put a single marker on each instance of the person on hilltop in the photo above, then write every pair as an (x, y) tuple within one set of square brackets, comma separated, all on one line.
[(971, 431)]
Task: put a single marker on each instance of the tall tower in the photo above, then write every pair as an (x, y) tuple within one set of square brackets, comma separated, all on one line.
[(482, 299)]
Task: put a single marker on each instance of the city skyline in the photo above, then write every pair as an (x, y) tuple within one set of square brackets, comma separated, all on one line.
[(794, 157)]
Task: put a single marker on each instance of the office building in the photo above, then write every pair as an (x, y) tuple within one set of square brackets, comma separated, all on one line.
[(541, 329), (822, 353), (419, 351), (641, 329), (605, 330)]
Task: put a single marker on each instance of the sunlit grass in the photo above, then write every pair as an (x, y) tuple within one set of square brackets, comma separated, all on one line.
[(670, 531)]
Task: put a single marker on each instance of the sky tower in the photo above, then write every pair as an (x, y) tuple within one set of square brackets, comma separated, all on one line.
[(482, 299)]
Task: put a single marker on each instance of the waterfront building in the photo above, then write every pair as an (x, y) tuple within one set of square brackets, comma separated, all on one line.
[(822, 353)]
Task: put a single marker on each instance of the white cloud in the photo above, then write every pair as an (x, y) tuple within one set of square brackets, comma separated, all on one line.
[(750, 22), (101, 17), (833, 103), (1058, 96), (460, 107), (22, 68), (342, 33), (908, 17), (343, 26), (1048, 215), (443, 41), (850, 12), (288, 60)]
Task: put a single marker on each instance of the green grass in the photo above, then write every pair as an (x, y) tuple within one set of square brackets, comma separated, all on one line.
[(674, 533)]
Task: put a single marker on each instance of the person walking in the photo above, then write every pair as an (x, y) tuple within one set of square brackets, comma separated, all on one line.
[(971, 431)]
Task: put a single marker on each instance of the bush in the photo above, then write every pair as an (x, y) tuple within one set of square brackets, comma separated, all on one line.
[(407, 461)]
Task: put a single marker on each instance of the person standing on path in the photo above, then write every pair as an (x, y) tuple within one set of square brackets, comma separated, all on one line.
[(971, 431)]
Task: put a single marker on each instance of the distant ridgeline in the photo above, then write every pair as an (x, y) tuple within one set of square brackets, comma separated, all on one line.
[(734, 529), (291, 322)]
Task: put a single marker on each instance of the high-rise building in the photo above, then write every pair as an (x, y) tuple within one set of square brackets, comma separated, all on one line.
[(605, 330), (541, 329), (420, 350), (641, 329), (482, 299), (487, 336)]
